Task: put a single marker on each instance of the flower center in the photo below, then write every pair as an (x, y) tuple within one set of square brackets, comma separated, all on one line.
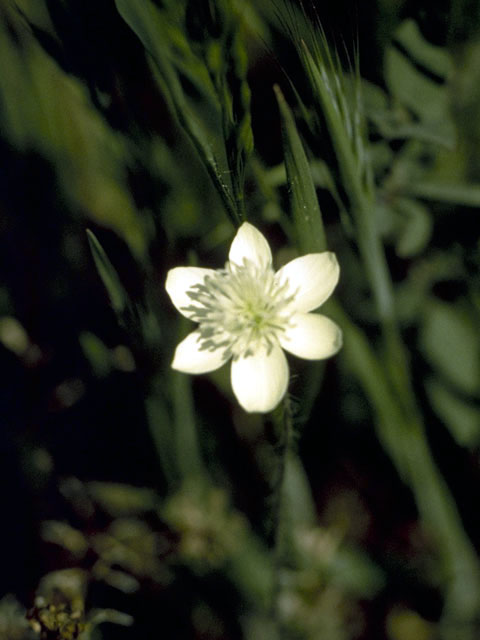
[(241, 309)]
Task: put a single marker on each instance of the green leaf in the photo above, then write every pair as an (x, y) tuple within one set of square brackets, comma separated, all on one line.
[(435, 59), (109, 276), (467, 195), (461, 417), (299, 502), (426, 98), (305, 208), (416, 227), (96, 352), (395, 122), (224, 52), (450, 342), (162, 432), (328, 87), (122, 500), (174, 61), (353, 571), (44, 109), (188, 451), (99, 616), (345, 123)]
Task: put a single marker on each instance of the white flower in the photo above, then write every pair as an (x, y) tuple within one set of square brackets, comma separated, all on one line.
[(249, 313)]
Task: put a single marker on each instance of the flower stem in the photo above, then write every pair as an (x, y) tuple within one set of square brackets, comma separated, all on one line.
[(280, 522)]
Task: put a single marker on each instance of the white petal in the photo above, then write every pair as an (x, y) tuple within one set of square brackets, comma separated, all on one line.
[(249, 243), (180, 280), (190, 359), (313, 276), (260, 381), (313, 337)]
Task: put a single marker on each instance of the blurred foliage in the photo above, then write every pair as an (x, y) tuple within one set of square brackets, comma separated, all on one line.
[(133, 138)]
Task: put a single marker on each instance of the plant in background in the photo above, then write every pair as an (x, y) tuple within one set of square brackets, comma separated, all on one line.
[(249, 313), (245, 535)]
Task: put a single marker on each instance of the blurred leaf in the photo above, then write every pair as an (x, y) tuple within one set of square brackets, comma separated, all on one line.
[(64, 587), (13, 336), (121, 500), (407, 84), (62, 534), (375, 99), (99, 616), (413, 293), (162, 432), (404, 624), (415, 229), (209, 529), (213, 536), (450, 341), (36, 11), (188, 453), (305, 208), (137, 318), (13, 621), (128, 551), (217, 30), (44, 109), (426, 98), (96, 352), (434, 58), (174, 62), (322, 177), (394, 122), (461, 417), (120, 580), (461, 194), (109, 276), (299, 502), (465, 87), (353, 570), (250, 569)]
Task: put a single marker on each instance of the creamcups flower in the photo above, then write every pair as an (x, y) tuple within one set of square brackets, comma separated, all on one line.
[(248, 313)]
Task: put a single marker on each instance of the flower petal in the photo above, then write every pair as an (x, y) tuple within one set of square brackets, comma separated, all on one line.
[(312, 336), (260, 381), (249, 243), (313, 276), (180, 280), (189, 358)]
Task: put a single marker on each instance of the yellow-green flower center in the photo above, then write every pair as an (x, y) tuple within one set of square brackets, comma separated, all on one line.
[(240, 309)]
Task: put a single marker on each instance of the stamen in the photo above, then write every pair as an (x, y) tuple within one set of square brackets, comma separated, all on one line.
[(240, 309)]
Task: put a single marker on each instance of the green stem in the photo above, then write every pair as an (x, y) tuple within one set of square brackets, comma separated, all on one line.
[(404, 438), (388, 384), (161, 431), (359, 193), (280, 525), (400, 427), (188, 454)]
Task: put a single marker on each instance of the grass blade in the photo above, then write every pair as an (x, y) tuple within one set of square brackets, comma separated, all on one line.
[(305, 208), (109, 276)]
